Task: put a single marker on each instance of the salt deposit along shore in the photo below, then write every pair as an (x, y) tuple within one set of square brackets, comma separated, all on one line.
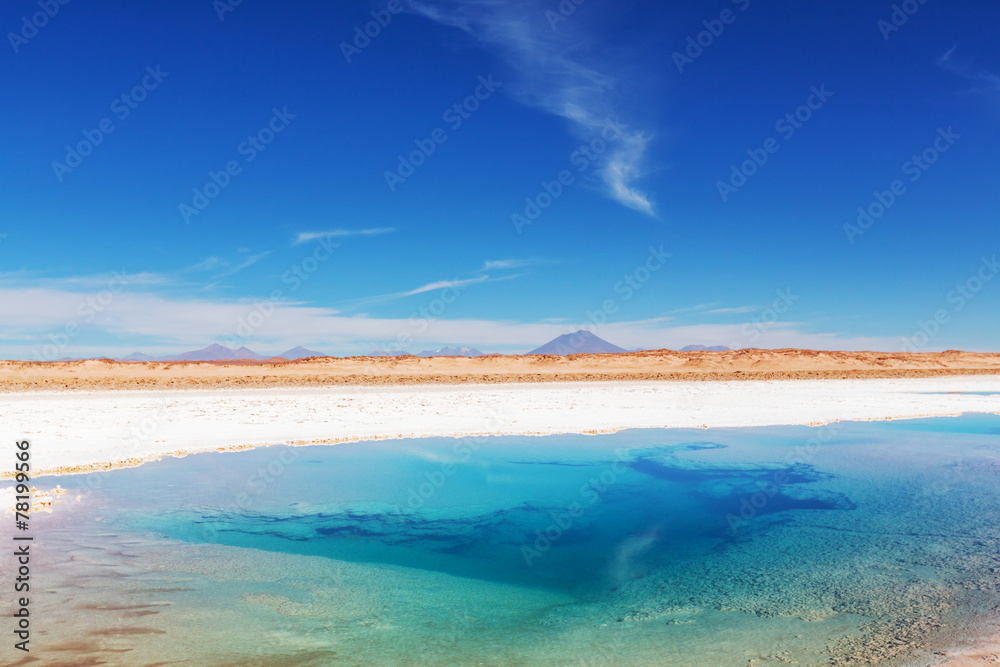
[(80, 431)]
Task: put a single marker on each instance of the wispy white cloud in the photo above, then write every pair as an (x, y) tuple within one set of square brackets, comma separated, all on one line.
[(455, 284), (690, 309), (206, 264), (249, 261), (652, 320), (737, 310), (500, 264), (560, 72), (305, 237), (221, 268), (444, 284), (95, 281), (989, 81), (623, 168), (460, 283)]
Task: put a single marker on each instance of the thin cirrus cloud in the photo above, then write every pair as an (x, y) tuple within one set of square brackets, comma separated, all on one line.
[(206, 264), (481, 277), (305, 237), (553, 74), (500, 264), (95, 281), (443, 284), (989, 81), (248, 262), (219, 268), (429, 287), (738, 310)]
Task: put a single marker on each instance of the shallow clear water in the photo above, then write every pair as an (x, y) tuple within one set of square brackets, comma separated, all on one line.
[(849, 543)]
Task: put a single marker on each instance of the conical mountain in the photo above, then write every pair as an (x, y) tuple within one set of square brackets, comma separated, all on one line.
[(581, 342)]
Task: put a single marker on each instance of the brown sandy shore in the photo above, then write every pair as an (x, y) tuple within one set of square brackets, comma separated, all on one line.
[(666, 365)]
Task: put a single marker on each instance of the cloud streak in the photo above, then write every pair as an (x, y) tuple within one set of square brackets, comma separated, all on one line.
[(305, 237), (555, 74), (967, 71), (501, 264), (738, 310), (456, 284), (249, 261), (443, 284)]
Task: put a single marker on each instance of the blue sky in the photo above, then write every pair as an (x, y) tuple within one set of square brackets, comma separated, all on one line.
[(251, 190)]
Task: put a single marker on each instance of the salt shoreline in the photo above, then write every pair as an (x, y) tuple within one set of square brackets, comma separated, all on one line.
[(75, 432)]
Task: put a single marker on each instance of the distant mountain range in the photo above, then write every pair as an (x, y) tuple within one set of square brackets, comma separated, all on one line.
[(450, 351), (581, 342), (218, 352)]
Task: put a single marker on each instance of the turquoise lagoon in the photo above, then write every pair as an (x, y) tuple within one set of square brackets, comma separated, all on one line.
[(847, 544)]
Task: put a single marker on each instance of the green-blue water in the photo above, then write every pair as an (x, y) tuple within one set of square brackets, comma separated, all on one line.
[(847, 544)]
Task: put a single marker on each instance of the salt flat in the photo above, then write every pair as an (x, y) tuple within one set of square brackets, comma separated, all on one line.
[(91, 430)]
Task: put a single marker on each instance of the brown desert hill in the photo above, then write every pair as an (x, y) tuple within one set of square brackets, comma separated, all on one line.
[(749, 364)]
